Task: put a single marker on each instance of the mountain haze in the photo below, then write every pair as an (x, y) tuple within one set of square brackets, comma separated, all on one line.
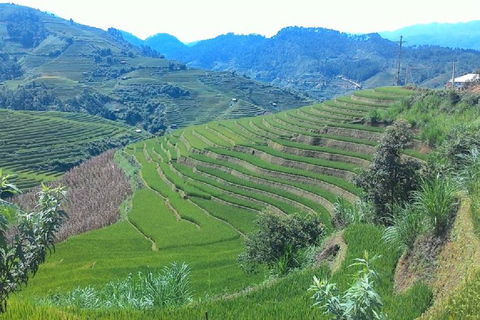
[(322, 62), (464, 35)]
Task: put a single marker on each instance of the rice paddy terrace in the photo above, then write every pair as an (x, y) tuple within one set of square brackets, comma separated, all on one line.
[(204, 187), (295, 161), (39, 146)]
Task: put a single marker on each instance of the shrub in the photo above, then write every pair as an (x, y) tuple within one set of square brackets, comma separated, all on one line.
[(437, 200), (390, 179), (279, 241), (24, 246)]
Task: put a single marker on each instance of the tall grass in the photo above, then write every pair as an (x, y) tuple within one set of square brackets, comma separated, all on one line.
[(167, 289), (346, 213), (437, 200), (408, 224), (470, 179)]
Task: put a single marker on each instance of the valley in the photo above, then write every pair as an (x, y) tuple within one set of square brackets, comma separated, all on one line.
[(248, 178)]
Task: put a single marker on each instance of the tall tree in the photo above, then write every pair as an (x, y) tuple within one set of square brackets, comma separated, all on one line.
[(391, 177)]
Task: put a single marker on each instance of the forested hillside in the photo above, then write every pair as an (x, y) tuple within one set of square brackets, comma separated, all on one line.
[(322, 62), (48, 63)]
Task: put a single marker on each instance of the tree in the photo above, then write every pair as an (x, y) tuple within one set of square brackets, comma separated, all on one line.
[(24, 245), (390, 178)]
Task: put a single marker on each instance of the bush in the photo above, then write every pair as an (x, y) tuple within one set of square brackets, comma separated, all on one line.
[(279, 241), (24, 245), (437, 200), (390, 179)]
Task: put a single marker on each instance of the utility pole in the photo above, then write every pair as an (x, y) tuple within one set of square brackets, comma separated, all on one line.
[(399, 60), (453, 76)]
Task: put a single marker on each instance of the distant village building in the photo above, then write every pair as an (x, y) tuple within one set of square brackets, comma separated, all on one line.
[(460, 82)]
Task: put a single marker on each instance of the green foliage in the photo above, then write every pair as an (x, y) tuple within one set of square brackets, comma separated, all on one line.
[(470, 180), (360, 301), (278, 241), (459, 144), (345, 213), (408, 223), (431, 211), (390, 178), (26, 27), (22, 252), (167, 289), (437, 200), (441, 115)]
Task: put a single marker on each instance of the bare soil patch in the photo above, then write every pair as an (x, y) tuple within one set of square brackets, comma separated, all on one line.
[(333, 252)]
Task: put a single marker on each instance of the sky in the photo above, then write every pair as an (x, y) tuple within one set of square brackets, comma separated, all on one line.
[(192, 20)]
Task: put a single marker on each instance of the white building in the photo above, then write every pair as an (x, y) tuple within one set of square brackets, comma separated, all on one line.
[(460, 82)]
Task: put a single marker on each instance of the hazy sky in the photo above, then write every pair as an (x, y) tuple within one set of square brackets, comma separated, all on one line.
[(191, 20)]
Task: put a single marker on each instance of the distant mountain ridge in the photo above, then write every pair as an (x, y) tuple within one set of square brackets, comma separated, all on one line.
[(464, 35), (321, 62)]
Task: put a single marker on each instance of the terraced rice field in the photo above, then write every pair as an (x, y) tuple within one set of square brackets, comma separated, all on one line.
[(204, 187), (220, 175), (31, 142)]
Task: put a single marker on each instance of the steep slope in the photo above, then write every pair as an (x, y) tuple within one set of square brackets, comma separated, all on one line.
[(324, 62), (65, 66)]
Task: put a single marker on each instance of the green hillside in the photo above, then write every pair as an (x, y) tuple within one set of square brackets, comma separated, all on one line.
[(204, 187), (40, 146), (49, 63)]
